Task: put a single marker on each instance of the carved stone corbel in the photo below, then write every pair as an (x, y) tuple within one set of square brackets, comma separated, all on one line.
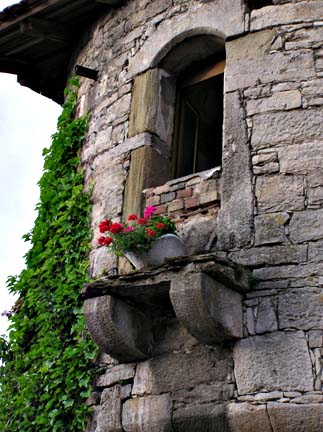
[(119, 329), (210, 311)]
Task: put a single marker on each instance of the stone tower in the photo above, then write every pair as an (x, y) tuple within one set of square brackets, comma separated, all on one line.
[(230, 337)]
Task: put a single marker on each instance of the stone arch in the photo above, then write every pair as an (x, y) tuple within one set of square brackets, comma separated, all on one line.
[(222, 19)]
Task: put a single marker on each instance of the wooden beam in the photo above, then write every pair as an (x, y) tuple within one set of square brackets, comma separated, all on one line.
[(44, 30), (31, 12)]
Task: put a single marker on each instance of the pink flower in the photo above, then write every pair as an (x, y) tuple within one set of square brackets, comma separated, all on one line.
[(149, 211), (128, 229)]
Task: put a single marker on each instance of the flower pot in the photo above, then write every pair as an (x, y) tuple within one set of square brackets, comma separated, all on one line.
[(167, 246)]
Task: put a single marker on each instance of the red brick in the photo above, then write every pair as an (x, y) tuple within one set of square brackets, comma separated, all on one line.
[(148, 192), (191, 202), (161, 189), (153, 200), (161, 209), (184, 193), (176, 205)]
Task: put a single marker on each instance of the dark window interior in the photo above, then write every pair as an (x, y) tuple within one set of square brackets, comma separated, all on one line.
[(198, 125), (258, 4)]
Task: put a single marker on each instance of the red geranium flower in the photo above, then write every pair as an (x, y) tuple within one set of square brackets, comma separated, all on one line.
[(115, 228), (142, 221), (101, 240), (104, 225), (151, 232), (108, 241), (132, 217), (160, 225)]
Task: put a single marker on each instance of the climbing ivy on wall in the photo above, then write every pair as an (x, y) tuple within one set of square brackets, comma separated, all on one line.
[(47, 361)]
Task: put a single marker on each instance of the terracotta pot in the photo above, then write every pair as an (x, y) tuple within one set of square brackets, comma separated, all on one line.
[(167, 246)]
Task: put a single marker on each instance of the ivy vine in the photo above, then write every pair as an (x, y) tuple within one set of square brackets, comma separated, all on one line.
[(47, 362)]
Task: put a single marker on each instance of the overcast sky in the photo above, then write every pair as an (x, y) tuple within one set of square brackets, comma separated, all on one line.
[(27, 121)]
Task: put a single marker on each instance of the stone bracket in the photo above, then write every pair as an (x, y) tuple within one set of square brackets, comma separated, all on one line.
[(204, 294), (210, 311)]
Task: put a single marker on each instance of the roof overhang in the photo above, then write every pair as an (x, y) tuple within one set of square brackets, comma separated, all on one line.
[(37, 39)]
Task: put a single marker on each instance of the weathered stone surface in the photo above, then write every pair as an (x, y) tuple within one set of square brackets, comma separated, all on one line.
[(285, 100), (245, 417), (235, 218), (116, 374), (273, 129), (203, 393), (277, 361), (148, 168), (289, 272), (270, 228), (107, 417), (278, 192), (315, 251), (101, 262), (268, 168), (270, 255), (306, 225), (286, 14), (120, 330), (315, 338), (224, 17), (266, 316), (197, 232), (209, 310), (162, 374), (152, 105), (301, 308), (147, 414), (265, 158), (291, 417), (301, 158), (249, 46), (274, 67), (304, 38), (204, 417)]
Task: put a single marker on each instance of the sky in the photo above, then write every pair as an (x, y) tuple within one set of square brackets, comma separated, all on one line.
[(27, 121)]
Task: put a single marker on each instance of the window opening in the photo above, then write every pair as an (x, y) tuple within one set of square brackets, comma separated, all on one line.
[(199, 119)]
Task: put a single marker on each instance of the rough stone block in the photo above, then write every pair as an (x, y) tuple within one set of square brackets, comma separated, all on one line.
[(304, 38), (291, 417), (315, 251), (198, 232), (270, 228), (274, 67), (278, 192), (286, 14), (287, 127), (301, 308), (107, 417), (204, 417), (301, 158), (235, 220), (269, 168), (147, 414), (289, 272), (306, 226), (200, 365), (250, 46), (203, 393), (245, 417), (277, 361), (266, 316), (116, 374), (210, 311), (271, 255), (152, 105), (285, 100)]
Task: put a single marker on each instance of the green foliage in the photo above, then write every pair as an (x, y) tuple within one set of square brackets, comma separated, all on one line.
[(47, 363)]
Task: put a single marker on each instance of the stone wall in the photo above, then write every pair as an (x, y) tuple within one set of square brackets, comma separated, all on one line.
[(269, 219)]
